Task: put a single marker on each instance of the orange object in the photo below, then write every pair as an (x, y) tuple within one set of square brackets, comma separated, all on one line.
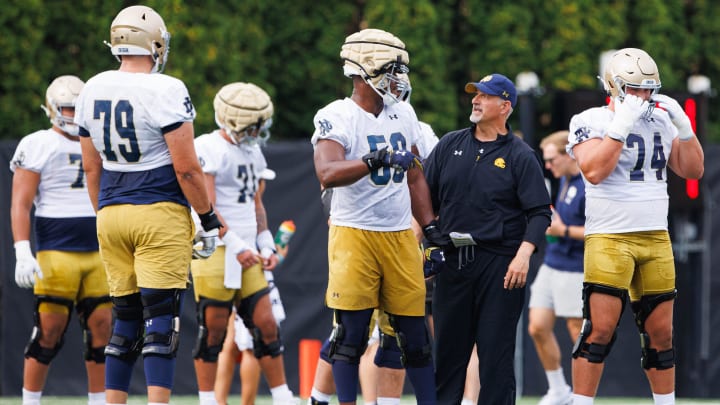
[(309, 354)]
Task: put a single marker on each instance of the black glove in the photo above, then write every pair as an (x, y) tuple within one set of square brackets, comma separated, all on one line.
[(434, 236), (434, 261), (209, 220), (399, 159), (377, 159)]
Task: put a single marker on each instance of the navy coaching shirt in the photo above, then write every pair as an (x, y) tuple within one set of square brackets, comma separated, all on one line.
[(493, 190)]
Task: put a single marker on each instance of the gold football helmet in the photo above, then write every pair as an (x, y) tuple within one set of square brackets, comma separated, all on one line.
[(62, 92), (244, 111), (630, 67), (378, 57), (139, 30)]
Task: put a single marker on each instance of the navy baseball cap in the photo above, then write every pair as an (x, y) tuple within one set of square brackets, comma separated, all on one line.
[(495, 85)]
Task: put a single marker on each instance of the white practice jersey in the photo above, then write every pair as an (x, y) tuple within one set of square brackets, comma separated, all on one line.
[(427, 141), (58, 160), (126, 115), (379, 201), (237, 170), (634, 196)]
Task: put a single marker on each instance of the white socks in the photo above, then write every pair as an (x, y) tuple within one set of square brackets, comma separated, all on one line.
[(664, 399), (467, 401), (582, 400), (388, 401), (319, 396), (96, 398), (556, 380), (207, 397), (31, 397), (281, 392)]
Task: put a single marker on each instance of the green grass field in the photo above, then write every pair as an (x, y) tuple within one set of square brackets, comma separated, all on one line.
[(266, 400)]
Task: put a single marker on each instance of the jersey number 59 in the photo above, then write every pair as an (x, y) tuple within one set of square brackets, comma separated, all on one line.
[(382, 175)]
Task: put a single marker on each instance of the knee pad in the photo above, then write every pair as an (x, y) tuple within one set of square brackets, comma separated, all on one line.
[(413, 340), (202, 350), (84, 309), (594, 352), (348, 339), (388, 353), (260, 349), (33, 349), (161, 312), (126, 340), (651, 358)]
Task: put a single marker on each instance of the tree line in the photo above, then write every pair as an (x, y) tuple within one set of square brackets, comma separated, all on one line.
[(291, 49)]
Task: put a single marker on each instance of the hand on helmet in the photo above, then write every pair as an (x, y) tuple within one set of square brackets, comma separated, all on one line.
[(627, 112), (26, 267), (677, 115)]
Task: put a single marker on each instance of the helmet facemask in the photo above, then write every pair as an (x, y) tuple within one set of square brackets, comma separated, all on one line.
[(389, 84), (255, 134)]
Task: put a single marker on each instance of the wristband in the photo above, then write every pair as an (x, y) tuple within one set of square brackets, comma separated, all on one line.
[(567, 231), (234, 243), (265, 240), (209, 220)]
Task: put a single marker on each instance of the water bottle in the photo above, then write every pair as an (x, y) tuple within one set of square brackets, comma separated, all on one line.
[(285, 231)]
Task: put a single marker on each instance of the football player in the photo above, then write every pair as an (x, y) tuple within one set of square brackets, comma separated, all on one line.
[(624, 150), (136, 129), (68, 272), (365, 147), (233, 164)]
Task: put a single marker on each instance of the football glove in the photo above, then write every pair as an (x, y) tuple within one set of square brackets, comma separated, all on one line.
[(627, 112), (434, 261), (399, 159), (433, 235), (677, 115), (26, 267), (205, 244)]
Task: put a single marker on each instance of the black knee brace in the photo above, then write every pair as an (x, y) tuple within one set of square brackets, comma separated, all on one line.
[(388, 353), (345, 352), (418, 357), (166, 302), (84, 309), (127, 308), (33, 349), (202, 350), (651, 358), (594, 352), (260, 349)]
